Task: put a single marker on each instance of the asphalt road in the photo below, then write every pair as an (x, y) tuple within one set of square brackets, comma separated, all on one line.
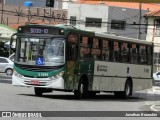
[(23, 99)]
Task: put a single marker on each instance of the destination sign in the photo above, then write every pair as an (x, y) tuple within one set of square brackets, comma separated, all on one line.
[(40, 30)]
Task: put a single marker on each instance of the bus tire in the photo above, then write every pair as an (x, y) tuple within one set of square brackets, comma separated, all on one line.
[(92, 93), (82, 90), (38, 91), (127, 91)]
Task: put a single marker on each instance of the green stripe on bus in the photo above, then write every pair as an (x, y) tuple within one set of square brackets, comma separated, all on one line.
[(38, 74)]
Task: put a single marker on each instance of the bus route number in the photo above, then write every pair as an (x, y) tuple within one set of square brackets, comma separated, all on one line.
[(38, 31)]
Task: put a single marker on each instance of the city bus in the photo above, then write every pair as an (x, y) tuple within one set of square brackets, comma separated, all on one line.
[(64, 58)]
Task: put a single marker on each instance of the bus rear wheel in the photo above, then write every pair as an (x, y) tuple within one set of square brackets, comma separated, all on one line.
[(127, 91), (82, 90)]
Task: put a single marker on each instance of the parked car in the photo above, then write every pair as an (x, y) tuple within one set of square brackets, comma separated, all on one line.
[(156, 78), (11, 57), (6, 65)]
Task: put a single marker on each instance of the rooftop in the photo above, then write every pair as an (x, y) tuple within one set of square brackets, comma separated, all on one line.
[(153, 14), (133, 5)]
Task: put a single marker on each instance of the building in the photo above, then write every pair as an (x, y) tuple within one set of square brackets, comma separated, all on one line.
[(117, 18), (153, 34)]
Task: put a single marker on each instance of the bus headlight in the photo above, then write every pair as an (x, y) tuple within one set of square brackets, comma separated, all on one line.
[(17, 74), (61, 73), (55, 77)]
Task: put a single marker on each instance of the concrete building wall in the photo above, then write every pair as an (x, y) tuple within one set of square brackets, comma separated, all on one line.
[(108, 13), (81, 11), (152, 36), (131, 17)]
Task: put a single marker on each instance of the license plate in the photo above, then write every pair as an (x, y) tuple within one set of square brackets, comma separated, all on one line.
[(35, 82)]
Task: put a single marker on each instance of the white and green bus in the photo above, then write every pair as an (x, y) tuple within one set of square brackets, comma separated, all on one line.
[(67, 59)]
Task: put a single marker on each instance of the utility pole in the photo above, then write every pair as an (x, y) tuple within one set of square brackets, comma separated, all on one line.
[(2, 13), (139, 28)]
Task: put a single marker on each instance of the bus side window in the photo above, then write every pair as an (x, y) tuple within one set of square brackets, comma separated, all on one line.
[(116, 51), (134, 53), (85, 47), (142, 54), (149, 54), (95, 50), (105, 50), (124, 52)]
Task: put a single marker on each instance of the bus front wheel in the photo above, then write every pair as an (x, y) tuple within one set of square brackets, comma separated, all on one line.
[(38, 91), (82, 89)]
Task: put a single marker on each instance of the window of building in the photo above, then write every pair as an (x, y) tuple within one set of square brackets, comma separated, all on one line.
[(158, 27), (93, 22), (1, 1), (156, 58), (117, 24), (73, 20)]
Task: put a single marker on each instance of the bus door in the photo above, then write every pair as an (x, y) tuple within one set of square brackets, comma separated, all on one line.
[(72, 54)]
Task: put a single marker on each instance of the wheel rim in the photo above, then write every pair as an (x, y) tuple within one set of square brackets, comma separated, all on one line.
[(127, 90), (81, 89)]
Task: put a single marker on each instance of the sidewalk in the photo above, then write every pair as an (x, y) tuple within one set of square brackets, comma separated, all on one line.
[(156, 107)]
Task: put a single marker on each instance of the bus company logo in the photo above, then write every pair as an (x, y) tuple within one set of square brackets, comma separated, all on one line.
[(102, 68)]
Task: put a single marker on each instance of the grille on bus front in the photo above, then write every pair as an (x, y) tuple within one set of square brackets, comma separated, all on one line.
[(38, 68)]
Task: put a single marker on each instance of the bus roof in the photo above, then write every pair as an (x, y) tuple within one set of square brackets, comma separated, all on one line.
[(92, 33), (120, 38)]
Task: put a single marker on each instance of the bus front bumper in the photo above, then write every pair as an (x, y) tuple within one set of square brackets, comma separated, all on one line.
[(22, 81)]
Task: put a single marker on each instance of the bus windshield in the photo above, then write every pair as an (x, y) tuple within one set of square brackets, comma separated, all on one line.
[(50, 49)]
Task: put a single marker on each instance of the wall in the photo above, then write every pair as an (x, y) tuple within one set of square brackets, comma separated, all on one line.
[(81, 11), (131, 16), (108, 13)]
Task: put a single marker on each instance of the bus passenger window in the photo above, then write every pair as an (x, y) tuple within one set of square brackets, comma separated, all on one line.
[(116, 51), (134, 53), (95, 51), (124, 52), (142, 54), (149, 54), (85, 52), (105, 50), (85, 47)]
